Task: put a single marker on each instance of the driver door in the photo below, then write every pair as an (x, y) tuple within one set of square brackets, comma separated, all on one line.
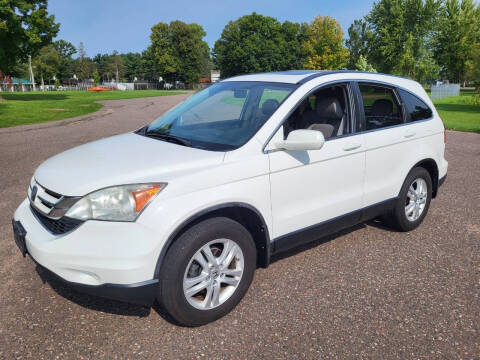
[(312, 190)]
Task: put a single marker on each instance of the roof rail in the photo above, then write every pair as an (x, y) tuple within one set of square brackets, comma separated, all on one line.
[(329, 72)]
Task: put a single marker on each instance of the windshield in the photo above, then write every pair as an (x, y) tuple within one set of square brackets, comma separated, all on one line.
[(222, 117)]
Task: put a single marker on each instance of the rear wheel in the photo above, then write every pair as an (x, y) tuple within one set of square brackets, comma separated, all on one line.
[(207, 271), (413, 202)]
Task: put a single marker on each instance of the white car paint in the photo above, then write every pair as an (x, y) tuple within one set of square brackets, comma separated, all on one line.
[(292, 190)]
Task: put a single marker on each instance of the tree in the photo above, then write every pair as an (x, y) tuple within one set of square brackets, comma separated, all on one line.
[(474, 71), (83, 66), (324, 47), (46, 63), (147, 68), (178, 51), (132, 62), (101, 65), (457, 32), (96, 77), (25, 27), (400, 34), (257, 43), (363, 65), (65, 51), (357, 43), (293, 51), (116, 65)]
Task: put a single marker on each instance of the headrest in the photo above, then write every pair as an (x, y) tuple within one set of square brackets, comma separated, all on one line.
[(381, 107), (269, 106), (328, 108)]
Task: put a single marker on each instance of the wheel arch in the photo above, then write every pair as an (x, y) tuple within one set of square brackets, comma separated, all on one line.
[(431, 166), (245, 214)]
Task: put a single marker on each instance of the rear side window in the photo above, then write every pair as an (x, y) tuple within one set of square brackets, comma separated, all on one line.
[(380, 106), (415, 108)]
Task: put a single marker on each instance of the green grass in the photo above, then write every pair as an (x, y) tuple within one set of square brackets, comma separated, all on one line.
[(459, 112), (37, 107)]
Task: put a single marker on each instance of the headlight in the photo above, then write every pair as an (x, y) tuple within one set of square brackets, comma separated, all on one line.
[(116, 203)]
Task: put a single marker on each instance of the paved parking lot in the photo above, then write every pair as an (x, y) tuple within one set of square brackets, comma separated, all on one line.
[(367, 292)]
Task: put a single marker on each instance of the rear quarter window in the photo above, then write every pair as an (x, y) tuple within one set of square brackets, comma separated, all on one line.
[(415, 108)]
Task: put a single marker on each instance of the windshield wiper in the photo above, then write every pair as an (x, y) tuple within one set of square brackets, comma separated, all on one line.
[(168, 137)]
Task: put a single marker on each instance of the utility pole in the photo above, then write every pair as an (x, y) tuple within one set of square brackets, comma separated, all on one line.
[(32, 78), (116, 65)]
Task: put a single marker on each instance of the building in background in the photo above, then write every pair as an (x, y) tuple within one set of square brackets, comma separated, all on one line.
[(214, 76)]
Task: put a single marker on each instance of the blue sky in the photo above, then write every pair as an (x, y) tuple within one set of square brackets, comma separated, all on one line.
[(124, 25)]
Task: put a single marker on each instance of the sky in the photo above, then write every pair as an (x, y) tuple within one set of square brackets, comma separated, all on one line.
[(124, 25)]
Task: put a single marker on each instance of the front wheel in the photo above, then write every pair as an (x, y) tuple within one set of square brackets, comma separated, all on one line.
[(207, 271), (413, 201)]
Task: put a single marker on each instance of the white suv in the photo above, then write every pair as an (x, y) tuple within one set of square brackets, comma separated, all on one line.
[(184, 209)]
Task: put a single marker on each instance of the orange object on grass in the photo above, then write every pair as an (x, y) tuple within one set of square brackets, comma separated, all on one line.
[(98, 88)]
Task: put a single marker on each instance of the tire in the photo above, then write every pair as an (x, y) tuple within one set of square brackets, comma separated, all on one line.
[(398, 218), (221, 287)]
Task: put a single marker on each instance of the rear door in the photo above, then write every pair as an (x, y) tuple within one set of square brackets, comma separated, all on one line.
[(392, 140)]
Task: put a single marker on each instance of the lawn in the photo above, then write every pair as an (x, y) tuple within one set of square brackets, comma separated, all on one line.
[(36, 107), (459, 113)]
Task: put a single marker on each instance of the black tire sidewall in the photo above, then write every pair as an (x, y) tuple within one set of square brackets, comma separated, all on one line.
[(171, 296), (401, 218)]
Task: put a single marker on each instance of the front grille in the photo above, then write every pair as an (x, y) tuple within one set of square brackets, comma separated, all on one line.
[(59, 226), (49, 203)]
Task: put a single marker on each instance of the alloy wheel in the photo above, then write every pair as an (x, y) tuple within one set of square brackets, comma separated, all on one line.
[(213, 274), (416, 199)]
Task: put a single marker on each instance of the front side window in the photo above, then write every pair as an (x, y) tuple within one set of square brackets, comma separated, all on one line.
[(222, 117), (326, 110), (415, 108), (380, 106)]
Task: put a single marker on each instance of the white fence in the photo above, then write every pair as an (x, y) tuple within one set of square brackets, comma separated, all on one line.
[(119, 85), (444, 90)]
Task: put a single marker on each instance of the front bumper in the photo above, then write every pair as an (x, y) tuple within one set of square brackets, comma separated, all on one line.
[(143, 293), (112, 260)]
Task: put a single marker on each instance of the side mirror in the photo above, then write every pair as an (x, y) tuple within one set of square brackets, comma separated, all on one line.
[(302, 140)]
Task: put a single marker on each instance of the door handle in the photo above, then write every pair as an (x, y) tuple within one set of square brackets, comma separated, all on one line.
[(351, 146), (409, 134)]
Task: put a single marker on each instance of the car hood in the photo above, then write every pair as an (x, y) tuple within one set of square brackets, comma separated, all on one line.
[(121, 159)]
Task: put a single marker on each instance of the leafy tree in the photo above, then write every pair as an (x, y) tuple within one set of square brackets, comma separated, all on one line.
[(357, 43), (116, 65), (474, 71), (257, 43), (400, 34), (363, 65), (132, 63), (96, 77), (101, 64), (293, 51), (83, 66), (457, 33), (147, 69), (324, 47), (65, 50), (25, 27), (46, 63), (178, 51)]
